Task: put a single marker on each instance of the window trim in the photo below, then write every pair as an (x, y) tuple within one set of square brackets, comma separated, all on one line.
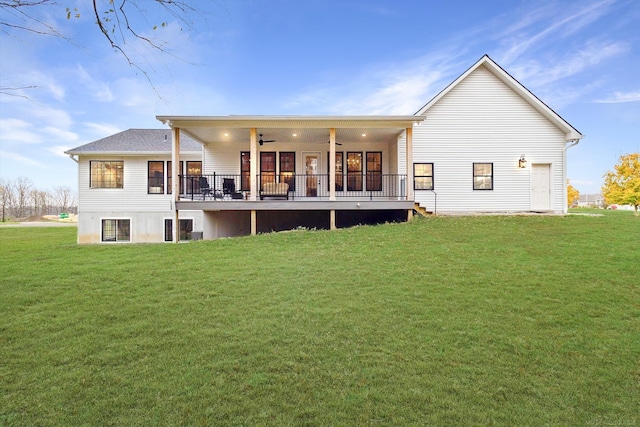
[(290, 179), (375, 176), (356, 175), (117, 220), (192, 185), (155, 177), (415, 175), (168, 237), (245, 175), (268, 175), (339, 170), (491, 175), (119, 184)]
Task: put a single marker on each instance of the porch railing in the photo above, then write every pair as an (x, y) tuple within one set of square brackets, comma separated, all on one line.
[(229, 186)]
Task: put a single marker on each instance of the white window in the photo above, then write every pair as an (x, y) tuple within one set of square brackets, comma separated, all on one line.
[(106, 174), (116, 230), (186, 227), (483, 176)]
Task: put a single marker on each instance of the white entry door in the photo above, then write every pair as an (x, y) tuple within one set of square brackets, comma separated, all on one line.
[(312, 170), (540, 187)]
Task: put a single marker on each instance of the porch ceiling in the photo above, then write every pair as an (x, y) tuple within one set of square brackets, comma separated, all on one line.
[(292, 129)]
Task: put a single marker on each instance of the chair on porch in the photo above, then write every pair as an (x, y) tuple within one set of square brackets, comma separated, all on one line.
[(229, 188), (205, 190)]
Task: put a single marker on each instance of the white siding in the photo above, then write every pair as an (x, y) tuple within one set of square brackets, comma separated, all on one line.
[(224, 158), (483, 120), (146, 227), (146, 211)]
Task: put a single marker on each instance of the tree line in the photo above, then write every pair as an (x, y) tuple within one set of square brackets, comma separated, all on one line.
[(19, 198)]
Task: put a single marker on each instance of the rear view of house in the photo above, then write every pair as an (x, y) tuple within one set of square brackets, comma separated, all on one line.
[(483, 144)]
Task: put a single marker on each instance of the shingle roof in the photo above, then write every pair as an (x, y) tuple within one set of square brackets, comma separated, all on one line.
[(137, 141)]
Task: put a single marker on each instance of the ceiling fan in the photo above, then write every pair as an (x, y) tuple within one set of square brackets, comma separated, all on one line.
[(262, 141), (337, 143)]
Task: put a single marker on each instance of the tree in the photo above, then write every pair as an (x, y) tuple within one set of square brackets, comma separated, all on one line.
[(5, 196), (117, 20), (64, 198), (573, 195), (622, 185)]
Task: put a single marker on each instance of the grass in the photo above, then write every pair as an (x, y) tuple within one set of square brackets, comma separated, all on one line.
[(442, 321)]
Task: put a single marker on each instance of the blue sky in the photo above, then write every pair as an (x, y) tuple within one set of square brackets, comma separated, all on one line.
[(289, 57)]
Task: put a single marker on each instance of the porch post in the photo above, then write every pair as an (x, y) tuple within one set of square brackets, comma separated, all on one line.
[(409, 185), (332, 219), (253, 171), (409, 161), (332, 168), (175, 182), (254, 222)]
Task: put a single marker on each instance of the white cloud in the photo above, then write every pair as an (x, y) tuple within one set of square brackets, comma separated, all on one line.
[(521, 42), (591, 54), (18, 131), (399, 88), (620, 97), (100, 91), (54, 133), (19, 158), (59, 150)]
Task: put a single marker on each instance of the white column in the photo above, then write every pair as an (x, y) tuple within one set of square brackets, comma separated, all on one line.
[(254, 222), (253, 181), (175, 181), (409, 161), (332, 164)]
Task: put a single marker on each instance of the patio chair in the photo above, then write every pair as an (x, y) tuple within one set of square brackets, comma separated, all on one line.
[(229, 188), (205, 190)]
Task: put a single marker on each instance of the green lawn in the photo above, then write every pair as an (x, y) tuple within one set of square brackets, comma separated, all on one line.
[(491, 320)]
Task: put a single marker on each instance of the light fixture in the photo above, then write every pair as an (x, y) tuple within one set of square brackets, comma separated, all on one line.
[(522, 163), (294, 135), (364, 135)]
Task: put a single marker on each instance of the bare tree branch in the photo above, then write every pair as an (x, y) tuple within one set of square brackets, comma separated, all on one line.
[(114, 21)]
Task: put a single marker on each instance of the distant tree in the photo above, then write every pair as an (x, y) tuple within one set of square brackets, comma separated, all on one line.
[(115, 19), (6, 194), (21, 194), (622, 185), (573, 195), (64, 198)]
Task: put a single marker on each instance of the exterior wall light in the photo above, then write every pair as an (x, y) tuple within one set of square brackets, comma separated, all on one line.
[(522, 163)]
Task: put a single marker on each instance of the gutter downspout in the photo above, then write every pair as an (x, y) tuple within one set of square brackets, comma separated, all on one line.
[(568, 144)]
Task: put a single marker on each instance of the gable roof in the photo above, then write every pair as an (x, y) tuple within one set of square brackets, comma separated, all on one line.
[(571, 133), (134, 141)]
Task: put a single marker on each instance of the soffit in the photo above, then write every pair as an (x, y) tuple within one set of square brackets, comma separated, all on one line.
[(291, 129)]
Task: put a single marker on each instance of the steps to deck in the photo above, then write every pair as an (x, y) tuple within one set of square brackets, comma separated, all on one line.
[(421, 211)]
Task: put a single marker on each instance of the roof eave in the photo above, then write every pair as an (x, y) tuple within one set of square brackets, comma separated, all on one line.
[(290, 121), (126, 153)]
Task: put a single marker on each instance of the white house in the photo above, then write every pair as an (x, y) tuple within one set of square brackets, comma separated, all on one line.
[(124, 187), (483, 144)]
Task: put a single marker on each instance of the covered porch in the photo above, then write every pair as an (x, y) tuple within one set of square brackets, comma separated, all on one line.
[(333, 167)]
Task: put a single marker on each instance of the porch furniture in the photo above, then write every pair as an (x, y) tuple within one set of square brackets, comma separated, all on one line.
[(205, 190), (275, 190), (229, 189)]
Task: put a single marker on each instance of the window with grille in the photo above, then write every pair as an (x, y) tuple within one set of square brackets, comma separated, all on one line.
[(186, 227), (423, 176), (155, 177), (116, 230), (106, 174), (483, 176), (374, 171)]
